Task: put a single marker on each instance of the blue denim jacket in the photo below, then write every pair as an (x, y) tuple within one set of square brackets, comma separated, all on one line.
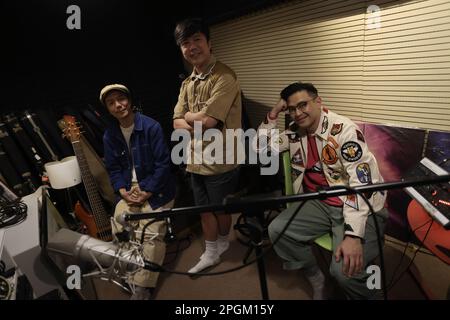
[(151, 159)]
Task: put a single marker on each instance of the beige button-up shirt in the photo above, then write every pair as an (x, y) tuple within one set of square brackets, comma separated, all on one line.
[(216, 93)]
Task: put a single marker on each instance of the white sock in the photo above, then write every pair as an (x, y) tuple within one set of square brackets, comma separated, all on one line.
[(211, 249), (317, 280), (222, 243)]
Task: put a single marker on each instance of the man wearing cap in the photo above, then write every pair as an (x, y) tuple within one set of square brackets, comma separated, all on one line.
[(138, 164)]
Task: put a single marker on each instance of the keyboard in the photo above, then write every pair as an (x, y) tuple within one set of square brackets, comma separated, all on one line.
[(435, 199)]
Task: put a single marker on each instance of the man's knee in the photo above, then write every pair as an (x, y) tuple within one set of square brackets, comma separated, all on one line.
[(274, 229), (338, 275)]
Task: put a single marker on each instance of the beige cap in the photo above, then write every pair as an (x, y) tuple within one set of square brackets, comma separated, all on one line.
[(111, 87)]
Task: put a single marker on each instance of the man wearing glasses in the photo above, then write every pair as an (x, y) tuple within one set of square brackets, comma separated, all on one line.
[(327, 149)]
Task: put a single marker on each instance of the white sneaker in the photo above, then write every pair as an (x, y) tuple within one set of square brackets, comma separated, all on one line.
[(206, 261)]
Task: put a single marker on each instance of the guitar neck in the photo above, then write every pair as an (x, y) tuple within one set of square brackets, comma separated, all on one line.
[(98, 210)]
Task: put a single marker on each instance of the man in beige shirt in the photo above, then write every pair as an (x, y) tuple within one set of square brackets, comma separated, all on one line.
[(210, 98)]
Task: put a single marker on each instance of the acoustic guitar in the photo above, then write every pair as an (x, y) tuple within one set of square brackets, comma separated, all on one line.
[(98, 223)]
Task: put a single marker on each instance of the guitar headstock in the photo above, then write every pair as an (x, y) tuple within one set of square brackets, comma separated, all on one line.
[(70, 128)]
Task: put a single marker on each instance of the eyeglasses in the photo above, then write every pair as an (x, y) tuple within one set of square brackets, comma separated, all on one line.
[(301, 106)]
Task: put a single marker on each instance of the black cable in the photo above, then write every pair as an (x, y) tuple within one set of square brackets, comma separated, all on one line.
[(12, 213), (404, 252), (400, 243), (178, 250), (145, 227), (377, 230), (415, 254), (155, 267)]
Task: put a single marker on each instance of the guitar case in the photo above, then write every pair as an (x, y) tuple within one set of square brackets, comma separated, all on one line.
[(32, 155), (40, 138), (98, 170), (11, 176), (17, 158), (95, 122), (48, 122)]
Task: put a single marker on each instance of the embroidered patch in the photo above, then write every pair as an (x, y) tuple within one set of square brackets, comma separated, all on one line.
[(295, 174), (360, 136), (329, 155), (333, 142), (293, 137), (297, 159), (317, 167), (363, 173), (324, 125), (336, 128), (352, 201), (335, 175), (351, 151)]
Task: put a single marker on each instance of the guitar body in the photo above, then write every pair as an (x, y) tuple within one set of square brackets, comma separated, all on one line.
[(98, 223), (88, 220)]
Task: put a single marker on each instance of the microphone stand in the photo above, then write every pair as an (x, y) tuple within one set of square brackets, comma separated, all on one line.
[(232, 205), (256, 234)]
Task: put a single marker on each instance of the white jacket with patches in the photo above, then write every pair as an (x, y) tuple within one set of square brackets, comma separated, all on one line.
[(345, 158)]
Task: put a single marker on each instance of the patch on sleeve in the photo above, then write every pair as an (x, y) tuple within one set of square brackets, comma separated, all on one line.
[(329, 155), (351, 151), (295, 174), (352, 201), (363, 173), (324, 125), (293, 137), (336, 128), (297, 159), (333, 142), (360, 136), (335, 175)]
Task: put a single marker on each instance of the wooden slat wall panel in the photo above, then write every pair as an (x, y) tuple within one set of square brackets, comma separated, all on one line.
[(397, 74)]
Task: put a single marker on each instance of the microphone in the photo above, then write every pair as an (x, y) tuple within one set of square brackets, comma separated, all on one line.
[(128, 231), (83, 248), (120, 219)]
